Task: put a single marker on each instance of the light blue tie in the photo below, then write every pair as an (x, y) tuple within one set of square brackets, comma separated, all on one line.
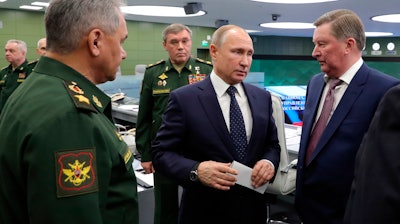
[(237, 128)]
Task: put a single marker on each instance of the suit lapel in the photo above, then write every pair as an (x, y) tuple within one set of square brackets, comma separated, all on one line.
[(314, 92), (353, 91), (212, 109)]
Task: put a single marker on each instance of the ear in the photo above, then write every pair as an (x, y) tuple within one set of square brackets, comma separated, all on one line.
[(351, 44), (164, 44), (213, 51), (94, 41)]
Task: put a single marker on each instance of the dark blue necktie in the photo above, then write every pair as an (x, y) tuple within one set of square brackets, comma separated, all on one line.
[(237, 128)]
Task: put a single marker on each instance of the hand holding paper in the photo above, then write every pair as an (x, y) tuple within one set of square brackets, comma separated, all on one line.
[(244, 177)]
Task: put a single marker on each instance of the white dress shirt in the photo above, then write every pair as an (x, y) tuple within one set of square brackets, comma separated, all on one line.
[(340, 89), (224, 100)]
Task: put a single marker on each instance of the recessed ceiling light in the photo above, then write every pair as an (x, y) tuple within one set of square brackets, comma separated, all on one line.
[(3, 0), (378, 34), (44, 4), (162, 11), (293, 1), (252, 31), (288, 25), (390, 18), (30, 7)]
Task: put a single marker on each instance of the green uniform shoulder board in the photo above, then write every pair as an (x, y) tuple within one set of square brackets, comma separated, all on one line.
[(78, 96), (204, 61), (33, 62), (157, 63)]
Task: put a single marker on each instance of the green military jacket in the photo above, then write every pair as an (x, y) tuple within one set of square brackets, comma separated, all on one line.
[(32, 64), (10, 80), (62, 159), (159, 80)]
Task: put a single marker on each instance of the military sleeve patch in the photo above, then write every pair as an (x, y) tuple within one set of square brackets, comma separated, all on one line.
[(76, 172)]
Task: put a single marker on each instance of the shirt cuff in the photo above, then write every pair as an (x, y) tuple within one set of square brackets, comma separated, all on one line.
[(270, 163)]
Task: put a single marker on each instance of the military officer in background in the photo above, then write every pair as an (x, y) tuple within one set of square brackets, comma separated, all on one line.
[(159, 80), (15, 73), (41, 47), (40, 51)]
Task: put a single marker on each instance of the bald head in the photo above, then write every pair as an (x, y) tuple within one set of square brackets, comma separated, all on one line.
[(41, 47)]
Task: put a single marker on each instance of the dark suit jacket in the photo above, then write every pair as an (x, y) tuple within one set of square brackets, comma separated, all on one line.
[(194, 130), (322, 187), (375, 193)]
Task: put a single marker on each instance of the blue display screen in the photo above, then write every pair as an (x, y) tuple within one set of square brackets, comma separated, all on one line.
[(293, 101)]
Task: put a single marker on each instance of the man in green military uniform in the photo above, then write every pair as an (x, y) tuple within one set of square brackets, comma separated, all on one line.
[(40, 51), (159, 80), (16, 73), (62, 159)]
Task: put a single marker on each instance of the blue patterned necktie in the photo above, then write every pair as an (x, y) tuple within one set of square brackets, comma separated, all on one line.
[(237, 128)]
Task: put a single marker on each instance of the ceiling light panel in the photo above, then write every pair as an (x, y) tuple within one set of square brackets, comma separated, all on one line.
[(378, 34), (161, 11), (44, 4), (30, 7), (288, 25), (293, 1), (390, 18)]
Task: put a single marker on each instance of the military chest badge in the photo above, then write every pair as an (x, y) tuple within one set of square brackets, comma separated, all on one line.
[(21, 75), (197, 77), (162, 80), (193, 78)]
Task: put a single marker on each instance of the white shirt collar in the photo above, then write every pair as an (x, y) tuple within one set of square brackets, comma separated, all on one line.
[(350, 73), (221, 86)]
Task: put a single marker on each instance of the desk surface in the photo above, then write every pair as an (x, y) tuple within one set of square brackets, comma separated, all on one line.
[(125, 111), (292, 135)]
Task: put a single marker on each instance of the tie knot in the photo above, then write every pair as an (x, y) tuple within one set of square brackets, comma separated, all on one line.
[(231, 91), (334, 82)]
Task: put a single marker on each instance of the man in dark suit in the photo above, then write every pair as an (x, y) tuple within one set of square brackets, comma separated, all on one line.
[(375, 195), (324, 174), (194, 145)]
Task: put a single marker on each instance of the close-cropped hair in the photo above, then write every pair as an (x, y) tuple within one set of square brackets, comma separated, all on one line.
[(67, 21), (175, 28), (219, 35), (21, 44), (38, 43), (344, 24)]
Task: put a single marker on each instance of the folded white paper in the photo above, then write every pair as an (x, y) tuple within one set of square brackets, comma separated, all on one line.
[(144, 180), (244, 177)]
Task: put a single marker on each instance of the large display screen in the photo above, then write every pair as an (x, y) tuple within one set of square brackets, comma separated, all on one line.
[(293, 101)]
